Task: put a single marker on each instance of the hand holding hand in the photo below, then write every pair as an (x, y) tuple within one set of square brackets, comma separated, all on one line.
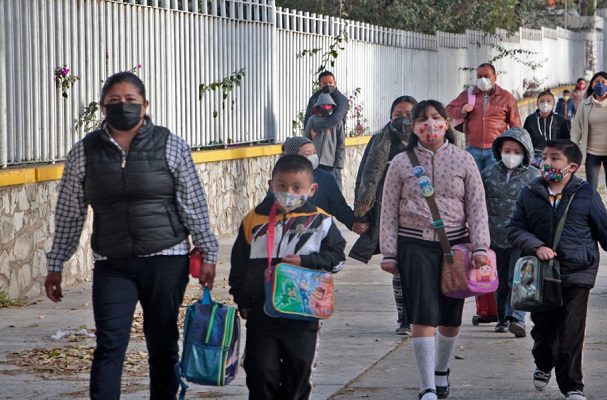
[(545, 253), (389, 266), (360, 227)]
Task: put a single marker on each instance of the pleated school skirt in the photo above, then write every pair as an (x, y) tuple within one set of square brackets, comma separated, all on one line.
[(420, 263)]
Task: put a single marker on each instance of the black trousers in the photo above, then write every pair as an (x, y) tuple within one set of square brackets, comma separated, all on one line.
[(558, 337), (593, 169), (158, 283), (278, 357), (506, 259)]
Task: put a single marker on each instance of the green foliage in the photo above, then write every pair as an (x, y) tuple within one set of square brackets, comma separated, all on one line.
[(6, 302), (329, 57), (64, 81), (226, 86), (429, 16)]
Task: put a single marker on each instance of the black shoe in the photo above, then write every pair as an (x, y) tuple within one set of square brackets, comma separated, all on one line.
[(502, 327), (421, 394), (442, 392), (403, 330)]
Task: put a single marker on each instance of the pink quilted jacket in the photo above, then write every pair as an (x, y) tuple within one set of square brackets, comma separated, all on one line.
[(459, 194)]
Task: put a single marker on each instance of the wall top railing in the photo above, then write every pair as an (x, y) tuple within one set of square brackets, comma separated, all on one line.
[(247, 10)]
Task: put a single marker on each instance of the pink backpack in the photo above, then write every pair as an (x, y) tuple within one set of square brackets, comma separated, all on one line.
[(457, 123), (459, 281)]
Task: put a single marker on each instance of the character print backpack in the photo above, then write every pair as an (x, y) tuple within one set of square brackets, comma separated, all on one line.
[(295, 292)]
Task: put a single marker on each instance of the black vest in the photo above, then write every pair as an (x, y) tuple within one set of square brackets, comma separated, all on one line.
[(134, 206)]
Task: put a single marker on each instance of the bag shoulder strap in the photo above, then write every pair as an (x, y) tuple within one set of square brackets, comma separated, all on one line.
[(471, 97), (561, 225), (437, 222), (271, 235)]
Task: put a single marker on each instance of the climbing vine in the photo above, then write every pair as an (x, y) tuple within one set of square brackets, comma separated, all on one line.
[(225, 86)]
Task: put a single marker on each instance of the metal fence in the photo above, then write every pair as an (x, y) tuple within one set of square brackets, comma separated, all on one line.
[(181, 44)]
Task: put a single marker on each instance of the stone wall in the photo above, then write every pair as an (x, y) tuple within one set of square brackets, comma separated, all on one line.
[(27, 218)]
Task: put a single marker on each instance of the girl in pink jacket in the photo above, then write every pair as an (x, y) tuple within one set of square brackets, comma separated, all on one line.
[(411, 246)]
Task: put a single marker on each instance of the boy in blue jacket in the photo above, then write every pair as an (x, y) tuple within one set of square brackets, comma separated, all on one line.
[(558, 334), (280, 351)]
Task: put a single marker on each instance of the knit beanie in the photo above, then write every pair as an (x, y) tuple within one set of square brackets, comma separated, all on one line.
[(292, 144)]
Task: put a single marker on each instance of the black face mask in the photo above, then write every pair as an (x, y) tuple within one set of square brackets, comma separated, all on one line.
[(329, 89), (403, 127), (123, 116)]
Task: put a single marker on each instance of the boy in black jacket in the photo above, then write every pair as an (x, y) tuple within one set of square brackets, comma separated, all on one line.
[(558, 334), (280, 352)]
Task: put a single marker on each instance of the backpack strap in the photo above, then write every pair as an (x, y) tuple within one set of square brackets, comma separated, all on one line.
[(437, 222), (561, 225), (271, 236)]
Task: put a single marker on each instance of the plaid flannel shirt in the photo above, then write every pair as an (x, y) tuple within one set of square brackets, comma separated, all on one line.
[(72, 208)]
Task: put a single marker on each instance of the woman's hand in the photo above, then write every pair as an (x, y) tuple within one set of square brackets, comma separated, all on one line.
[(52, 285), (207, 275), (389, 266), (479, 260), (545, 253)]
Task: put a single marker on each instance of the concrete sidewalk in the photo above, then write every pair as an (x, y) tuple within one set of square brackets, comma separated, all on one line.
[(359, 355)]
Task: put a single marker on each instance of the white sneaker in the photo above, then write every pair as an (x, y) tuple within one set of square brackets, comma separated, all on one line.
[(575, 395), (541, 379)]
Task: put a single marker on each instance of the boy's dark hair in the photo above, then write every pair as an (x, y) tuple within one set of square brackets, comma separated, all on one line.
[(325, 73), (571, 150), (402, 99), (122, 77), (293, 163), (483, 65), (580, 80), (566, 92), (545, 93)]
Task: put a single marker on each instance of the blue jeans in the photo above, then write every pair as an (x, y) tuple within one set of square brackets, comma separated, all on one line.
[(506, 259), (483, 157)]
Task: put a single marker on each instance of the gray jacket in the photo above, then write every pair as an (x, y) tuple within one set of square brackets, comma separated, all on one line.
[(502, 185), (580, 126), (330, 143)]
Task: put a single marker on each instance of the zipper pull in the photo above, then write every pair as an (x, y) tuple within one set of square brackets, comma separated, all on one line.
[(123, 162)]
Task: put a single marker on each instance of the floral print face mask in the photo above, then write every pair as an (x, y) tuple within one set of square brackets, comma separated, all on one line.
[(431, 131)]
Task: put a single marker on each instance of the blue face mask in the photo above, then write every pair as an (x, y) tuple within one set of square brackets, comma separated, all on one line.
[(600, 89)]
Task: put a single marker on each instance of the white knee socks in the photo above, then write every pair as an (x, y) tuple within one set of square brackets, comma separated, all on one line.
[(445, 346), (424, 351)]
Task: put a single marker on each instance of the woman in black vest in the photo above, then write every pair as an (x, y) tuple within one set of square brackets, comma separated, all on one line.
[(147, 198)]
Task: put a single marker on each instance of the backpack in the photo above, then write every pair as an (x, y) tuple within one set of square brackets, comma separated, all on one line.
[(458, 123), (211, 338)]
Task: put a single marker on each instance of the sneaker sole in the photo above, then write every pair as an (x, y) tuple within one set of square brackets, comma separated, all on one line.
[(517, 331)]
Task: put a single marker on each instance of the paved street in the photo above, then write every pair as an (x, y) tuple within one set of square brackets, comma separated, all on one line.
[(359, 356)]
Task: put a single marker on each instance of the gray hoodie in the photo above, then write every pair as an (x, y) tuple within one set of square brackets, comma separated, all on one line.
[(503, 185), (330, 143)]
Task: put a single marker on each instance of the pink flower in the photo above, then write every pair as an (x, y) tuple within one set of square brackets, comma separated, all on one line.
[(138, 66), (65, 71)]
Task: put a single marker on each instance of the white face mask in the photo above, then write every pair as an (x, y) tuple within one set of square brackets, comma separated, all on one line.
[(313, 158), (545, 107), (512, 161), (484, 84)]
